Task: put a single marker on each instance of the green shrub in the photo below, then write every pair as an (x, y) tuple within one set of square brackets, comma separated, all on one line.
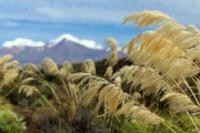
[(10, 122)]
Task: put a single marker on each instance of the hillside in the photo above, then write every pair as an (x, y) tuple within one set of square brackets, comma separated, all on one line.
[(62, 50)]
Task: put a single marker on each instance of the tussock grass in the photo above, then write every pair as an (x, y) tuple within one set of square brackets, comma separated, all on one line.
[(156, 83)]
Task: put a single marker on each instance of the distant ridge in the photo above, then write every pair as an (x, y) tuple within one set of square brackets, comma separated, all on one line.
[(65, 47)]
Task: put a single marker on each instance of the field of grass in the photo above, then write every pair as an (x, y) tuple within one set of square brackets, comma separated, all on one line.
[(154, 89)]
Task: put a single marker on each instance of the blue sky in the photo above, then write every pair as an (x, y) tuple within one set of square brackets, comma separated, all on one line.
[(88, 19)]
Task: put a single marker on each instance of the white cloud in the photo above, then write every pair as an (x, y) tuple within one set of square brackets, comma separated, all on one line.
[(22, 42), (50, 12), (87, 43), (104, 11)]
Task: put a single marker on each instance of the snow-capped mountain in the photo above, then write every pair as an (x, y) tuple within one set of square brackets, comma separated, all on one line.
[(68, 37), (65, 47)]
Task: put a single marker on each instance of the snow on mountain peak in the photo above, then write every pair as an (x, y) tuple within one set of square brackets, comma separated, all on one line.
[(68, 37)]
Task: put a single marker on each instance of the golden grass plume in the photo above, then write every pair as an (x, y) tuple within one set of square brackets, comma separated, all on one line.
[(113, 99)]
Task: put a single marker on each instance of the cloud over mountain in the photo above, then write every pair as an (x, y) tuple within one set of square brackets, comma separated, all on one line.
[(22, 42)]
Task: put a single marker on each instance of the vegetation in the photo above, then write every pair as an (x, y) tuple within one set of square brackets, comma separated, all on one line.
[(9, 121), (156, 88)]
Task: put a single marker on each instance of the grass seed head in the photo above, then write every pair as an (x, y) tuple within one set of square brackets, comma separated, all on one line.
[(50, 67)]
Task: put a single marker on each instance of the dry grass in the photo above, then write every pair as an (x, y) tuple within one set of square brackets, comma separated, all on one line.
[(163, 82), (112, 98)]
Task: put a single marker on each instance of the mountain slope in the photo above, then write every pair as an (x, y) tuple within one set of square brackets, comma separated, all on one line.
[(61, 51)]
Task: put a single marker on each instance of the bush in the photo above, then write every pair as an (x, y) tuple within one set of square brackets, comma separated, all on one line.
[(10, 122)]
